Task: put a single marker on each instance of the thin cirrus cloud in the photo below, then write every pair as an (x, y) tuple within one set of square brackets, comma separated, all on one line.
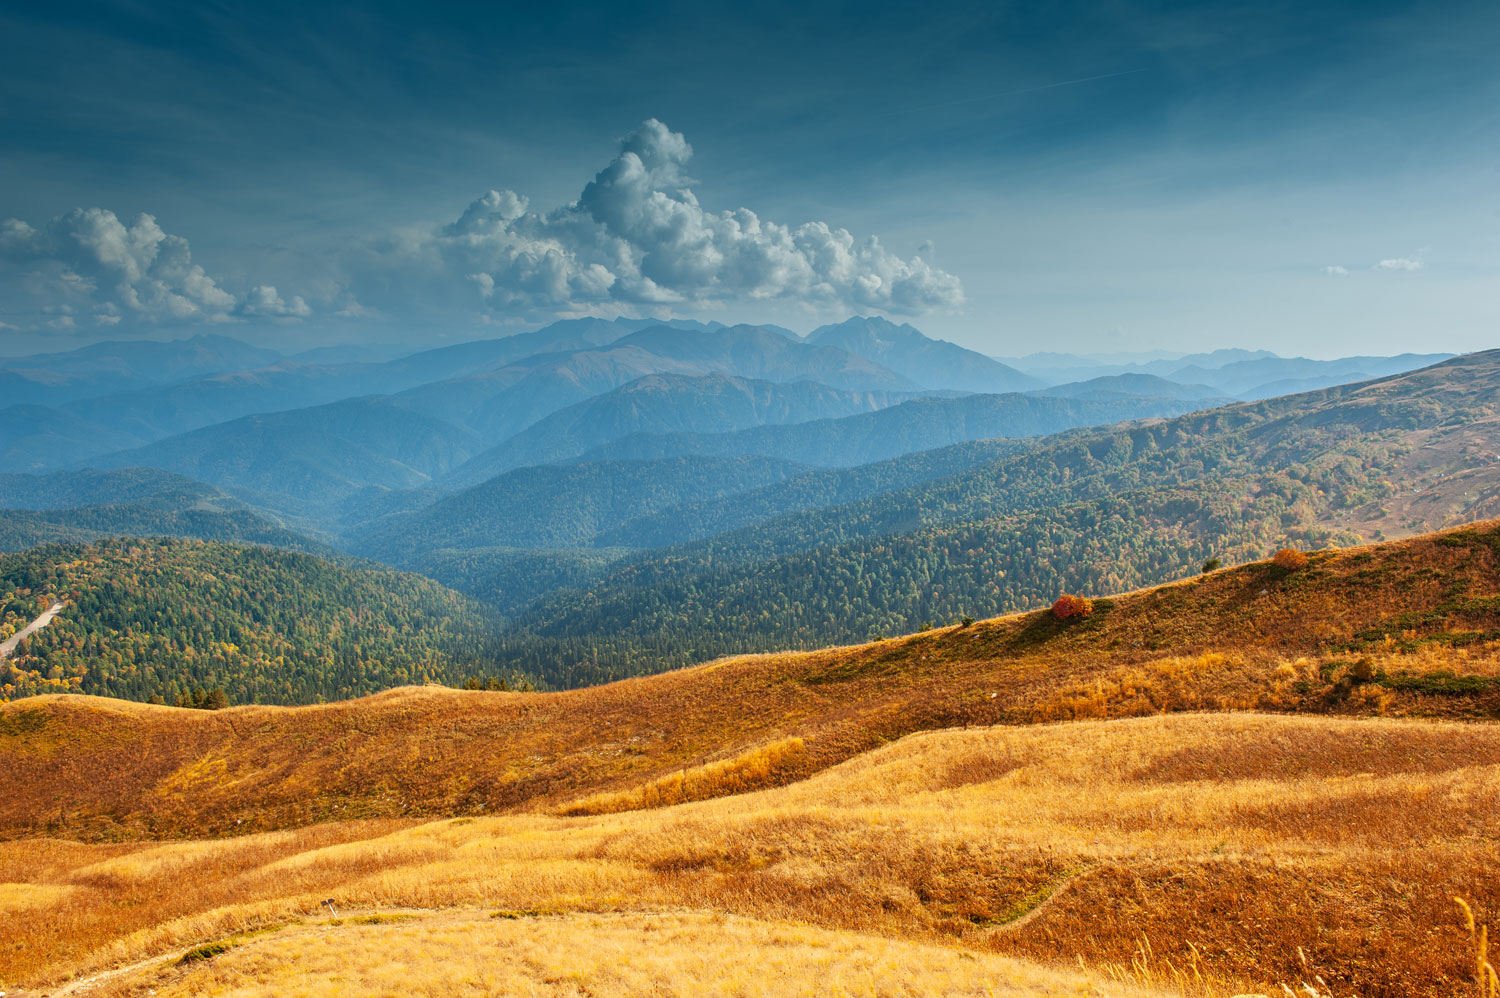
[(637, 236)]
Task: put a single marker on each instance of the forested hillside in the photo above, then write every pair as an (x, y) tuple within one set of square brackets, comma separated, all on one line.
[(84, 506), (1097, 511), (564, 506), (145, 619), (21, 529), (917, 425), (666, 403)]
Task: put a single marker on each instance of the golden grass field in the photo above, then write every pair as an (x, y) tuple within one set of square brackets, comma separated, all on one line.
[(1263, 779)]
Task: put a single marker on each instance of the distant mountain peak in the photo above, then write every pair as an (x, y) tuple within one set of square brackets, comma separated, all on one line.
[(931, 363)]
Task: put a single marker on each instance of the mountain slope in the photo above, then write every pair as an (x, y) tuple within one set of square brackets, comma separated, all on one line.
[(814, 489), (311, 457), (502, 400), (1112, 386), (1250, 378), (563, 506), (930, 363), (42, 438), (104, 368), (83, 506), (146, 618), (1100, 510), (22, 529), (664, 403), (905, 428), (766, 353), (129, 411)]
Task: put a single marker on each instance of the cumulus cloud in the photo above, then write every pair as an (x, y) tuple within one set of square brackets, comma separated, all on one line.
[(1400, 263), (636, 240), (90, 265), (638, 236), (264, 301), (1334, 270)]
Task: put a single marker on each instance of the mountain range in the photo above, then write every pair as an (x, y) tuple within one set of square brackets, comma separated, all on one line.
[(636, 494)]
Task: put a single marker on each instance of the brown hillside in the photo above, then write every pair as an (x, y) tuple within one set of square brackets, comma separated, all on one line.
[(1408, 628), (1201, 852)]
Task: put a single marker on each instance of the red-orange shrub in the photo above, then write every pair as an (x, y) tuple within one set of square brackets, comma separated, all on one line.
[(1068, 607), (1289, 559)]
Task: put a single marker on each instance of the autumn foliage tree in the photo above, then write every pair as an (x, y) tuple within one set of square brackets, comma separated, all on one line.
[(1069, 607), (1289, 560)]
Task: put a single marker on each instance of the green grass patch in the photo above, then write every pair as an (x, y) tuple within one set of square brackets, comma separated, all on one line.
[(1026, 905), (205, 952), (1442, 683)]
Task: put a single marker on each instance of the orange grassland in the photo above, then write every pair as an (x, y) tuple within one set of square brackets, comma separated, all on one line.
[(1271, 776)]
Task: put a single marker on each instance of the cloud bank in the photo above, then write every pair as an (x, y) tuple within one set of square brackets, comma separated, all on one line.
[(636, 239), (89, 265), (637, 235)]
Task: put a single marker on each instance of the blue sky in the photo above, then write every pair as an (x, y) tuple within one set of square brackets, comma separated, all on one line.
[(1311, 178)]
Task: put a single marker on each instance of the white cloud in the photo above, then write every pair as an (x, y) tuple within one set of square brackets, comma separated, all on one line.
[(1334, 270), (638, 236), (103, 269), (635, 241), (1400, 264), (265, 302)]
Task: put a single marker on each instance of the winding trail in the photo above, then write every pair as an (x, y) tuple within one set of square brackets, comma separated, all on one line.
[(9, 644)]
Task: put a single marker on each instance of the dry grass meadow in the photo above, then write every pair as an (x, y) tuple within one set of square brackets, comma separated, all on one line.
[(1259, 779)]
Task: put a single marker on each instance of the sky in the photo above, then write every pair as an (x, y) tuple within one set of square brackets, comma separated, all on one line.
[(1318, 179)]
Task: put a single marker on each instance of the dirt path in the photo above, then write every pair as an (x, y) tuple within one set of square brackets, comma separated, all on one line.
[(83, 985), (9, 644)]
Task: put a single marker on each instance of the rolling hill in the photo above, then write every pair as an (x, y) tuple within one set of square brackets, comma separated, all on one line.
[(1317, 823), (147, 618), (1437, 597)]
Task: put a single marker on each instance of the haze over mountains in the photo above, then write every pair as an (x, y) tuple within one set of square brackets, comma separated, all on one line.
[(640, 494)]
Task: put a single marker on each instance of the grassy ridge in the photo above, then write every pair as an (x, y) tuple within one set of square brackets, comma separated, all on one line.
[(1387, 629)]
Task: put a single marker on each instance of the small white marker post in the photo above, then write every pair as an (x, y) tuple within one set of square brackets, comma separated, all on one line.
[(331, 909)]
